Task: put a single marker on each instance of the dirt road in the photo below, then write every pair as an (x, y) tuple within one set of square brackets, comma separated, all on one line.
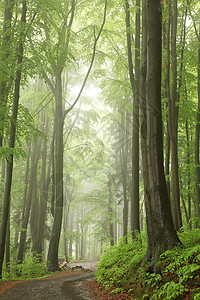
[(68, 285), (88, 265)]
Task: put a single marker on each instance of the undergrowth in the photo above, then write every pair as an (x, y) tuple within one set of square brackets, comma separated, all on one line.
[(32, 267), (120, 269)]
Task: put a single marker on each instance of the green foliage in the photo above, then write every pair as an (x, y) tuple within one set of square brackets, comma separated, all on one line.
[(190, 237), (118, 262), (171, 290), (33, 267), (120, 269)]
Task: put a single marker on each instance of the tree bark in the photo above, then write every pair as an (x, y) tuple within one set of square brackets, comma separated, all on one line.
[(8, 245), (9, 172), (160, 229), (143, 104), (44, 188), (173, 127), (135, 85), (58, 208), (28, 202), (123, 142), (6, 81), (188, 173), (110, 211), (197, 161), (3, 174), (166, 47)]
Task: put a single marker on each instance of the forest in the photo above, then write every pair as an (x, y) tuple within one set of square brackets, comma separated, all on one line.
[(99, 140)]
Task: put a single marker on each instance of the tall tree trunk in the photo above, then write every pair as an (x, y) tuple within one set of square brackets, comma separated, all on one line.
[(44, 188), (188, 172), (143, 103), (9, 172), (123, 140), (28, 202), (135, 214), (58, 208), (110, 212), (53, 170), (173, 127), (8, 245), (197, 162), (3, 174), (77, 237), (166, 38), (65, 227), (160, 229), (5, 81), (135, 85), (71, 230)]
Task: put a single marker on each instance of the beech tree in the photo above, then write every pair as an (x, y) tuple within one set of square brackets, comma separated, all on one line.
[(160, 229), (135, 84)]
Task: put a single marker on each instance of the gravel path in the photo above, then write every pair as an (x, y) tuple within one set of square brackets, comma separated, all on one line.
[(69, 287)]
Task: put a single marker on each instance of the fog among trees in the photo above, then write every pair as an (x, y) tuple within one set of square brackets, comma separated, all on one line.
[(99, 126)]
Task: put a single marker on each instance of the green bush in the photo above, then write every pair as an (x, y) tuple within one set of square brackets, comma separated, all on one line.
[(33, 267)]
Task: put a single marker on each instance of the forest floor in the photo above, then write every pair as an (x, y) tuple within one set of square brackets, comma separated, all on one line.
[(75, 284)]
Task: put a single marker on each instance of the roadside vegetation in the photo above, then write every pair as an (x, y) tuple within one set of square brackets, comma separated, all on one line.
[(178, 270), (32, 267)]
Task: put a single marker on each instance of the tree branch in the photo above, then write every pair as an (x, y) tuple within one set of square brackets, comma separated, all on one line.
[(91, 63)]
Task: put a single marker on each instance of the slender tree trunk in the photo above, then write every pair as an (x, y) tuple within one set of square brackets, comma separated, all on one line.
[(166, 47), (16, 236), (6, 204), (58, 208), (188, 172), (143, 103), (110, 211), (28, 203), (53, 171), (71, 230), (197, 162), (3, 174), (135, 214), (135, 85), (173, 125), (123, 139), (5, 81), (65, 228), (34, 211), (8, 245), (183, 203), (45, 181), (77, 239)]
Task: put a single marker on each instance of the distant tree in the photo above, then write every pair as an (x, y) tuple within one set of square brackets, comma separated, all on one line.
[(30, 199), (197, 135)]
